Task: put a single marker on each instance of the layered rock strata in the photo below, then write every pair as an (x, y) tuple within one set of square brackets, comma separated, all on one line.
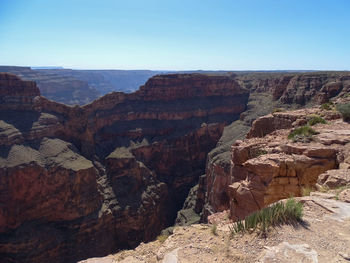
[(79, 182), (268, 91), (269, 168), (65, 89)]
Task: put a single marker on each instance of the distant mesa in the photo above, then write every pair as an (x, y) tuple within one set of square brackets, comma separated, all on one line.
[(79, 87), (46, 68)]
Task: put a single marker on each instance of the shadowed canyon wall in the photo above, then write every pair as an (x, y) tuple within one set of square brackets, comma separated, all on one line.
[(78, 182)]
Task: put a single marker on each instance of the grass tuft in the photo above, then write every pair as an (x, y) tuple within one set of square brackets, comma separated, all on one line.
[(303, 133), (327, 106), (344, 109), (278, 110), (161, 238), (214, 229), (316, 119), (276, 214), (254, 153), (305, 191)]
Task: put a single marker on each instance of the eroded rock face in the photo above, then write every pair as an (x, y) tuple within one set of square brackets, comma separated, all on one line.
[(268, 168), (16, 94), (286, 120), (334, 178), (269, 91), (79, 182), (271, 168), (31, 174)]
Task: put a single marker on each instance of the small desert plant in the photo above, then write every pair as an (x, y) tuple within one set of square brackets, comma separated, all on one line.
[(323, 188), (344, 109), (327, 106), (161, 238), (278, 110), (316, 119), (303, 133), (276, 214), (214, 229), (261, 152), (257, 152), (305, 191)]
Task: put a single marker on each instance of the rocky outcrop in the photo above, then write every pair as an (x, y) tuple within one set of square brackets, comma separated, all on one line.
[(271, 168), (280, 91), (334, 178), (271, 177), (140, 199), (285, 120), (79, 182), (30, 174), (268, 168), (16, 94)]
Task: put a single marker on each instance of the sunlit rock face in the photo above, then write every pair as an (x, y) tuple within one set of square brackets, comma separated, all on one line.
[(268, 92), (265, 169)]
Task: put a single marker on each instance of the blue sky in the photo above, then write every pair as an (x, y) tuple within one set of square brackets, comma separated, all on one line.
[(176, 35)]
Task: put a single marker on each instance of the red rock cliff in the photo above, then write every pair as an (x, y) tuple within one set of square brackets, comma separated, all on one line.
[(80, 182), (15, 93)]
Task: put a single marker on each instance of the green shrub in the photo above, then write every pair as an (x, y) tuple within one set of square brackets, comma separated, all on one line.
[(278, 110), (214, 229), (344, 109), (316, 119), (276, 214), (305, 191), (161, 238), (327, 106), (303, 133), (257, 152)]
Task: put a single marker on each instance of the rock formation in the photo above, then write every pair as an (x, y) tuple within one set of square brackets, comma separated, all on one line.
[(268, 168), (78, 182), (274, 91)]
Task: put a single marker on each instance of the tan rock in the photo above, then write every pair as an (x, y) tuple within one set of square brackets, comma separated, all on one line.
[(267, 169), (288, 253), (344, 195), (334, 178)]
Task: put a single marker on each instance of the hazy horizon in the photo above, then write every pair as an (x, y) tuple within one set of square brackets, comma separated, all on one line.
[(250, 35), (166, 70)]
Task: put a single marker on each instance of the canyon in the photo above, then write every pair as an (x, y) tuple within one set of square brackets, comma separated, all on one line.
[(85, 181), (80, 87), (266, 167)]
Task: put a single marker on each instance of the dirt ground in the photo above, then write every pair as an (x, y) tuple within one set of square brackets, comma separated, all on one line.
[(323, 236)]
